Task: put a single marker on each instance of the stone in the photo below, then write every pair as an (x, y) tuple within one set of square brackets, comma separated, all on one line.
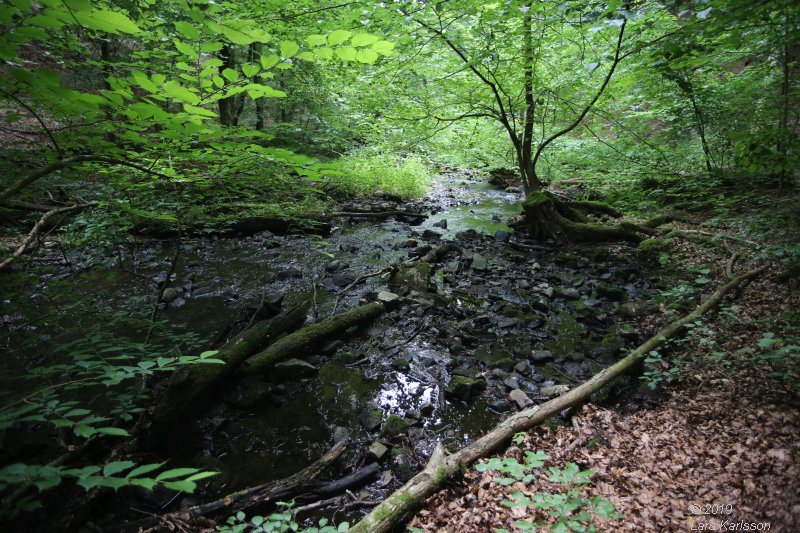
[(501, 406), (615, 294), (371, 419), (249, 392), (177, 302), (294, 368), (502, 236), (463, 387), (520, 398), (634, 309), (340, 434), (506, 322), (523, 367), (401, 364), (441, 224), (479, 262), (413, 414), (203, 292), (541, 355), (627, 331), (377, 451), (171, 294), (427, 408), (395, 425), (511, 382), (495, 356), (570, 293), (334, 265), (387, 297), (553, 390)]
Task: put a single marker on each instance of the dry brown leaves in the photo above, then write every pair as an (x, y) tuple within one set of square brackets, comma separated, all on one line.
[(720, 437)]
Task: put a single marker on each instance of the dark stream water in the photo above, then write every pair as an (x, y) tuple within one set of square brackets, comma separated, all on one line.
[(518, 306)]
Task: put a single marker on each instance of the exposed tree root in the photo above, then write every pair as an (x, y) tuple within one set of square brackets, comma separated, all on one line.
[(549, 218), (442, 466)]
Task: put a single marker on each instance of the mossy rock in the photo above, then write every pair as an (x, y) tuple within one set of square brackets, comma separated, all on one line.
[(650, 249), (464, 388), (416, 278), (395, 425)]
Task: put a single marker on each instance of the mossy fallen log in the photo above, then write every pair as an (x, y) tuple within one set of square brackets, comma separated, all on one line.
[(302, 341), (442, 466), (194, 386)]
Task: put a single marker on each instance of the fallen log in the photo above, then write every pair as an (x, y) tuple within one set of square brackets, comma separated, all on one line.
[(194, 385), (378, 214), (442, 466), (245, 499), (301, 341)]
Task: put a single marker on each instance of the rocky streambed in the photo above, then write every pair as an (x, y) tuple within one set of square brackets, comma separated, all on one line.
[(494, 327)]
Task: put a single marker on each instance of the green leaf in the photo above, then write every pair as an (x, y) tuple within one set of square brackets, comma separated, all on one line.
[(230, 74), (117, 432), (188, 30), (201, 475), (144, 469), (338, 37), (289, 48), (202, 112), (324, 52), (316, 40), (383, 47), (185, 49), (176, 472), (181, 486), (117, 466), (107, 21), (367, 56), (141, 79), (348, 53), (250, 70), (363, 39)]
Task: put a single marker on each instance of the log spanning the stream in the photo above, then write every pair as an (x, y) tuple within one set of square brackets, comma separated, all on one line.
[(194, 385), (442, 466), (301, 341)]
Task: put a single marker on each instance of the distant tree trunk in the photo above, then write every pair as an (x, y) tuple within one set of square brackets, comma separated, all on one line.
[(530, 181), (255, 50), (686, 86), (226, 106), (783, 117)]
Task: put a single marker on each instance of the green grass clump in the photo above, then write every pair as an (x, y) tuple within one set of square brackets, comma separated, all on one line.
[(361, 174)]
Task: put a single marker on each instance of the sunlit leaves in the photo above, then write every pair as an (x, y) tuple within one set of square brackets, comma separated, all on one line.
[(289, 48), (107, 21), (338, 37)]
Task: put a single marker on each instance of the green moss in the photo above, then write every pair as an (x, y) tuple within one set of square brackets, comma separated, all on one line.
[(650, 249), (536, 199)]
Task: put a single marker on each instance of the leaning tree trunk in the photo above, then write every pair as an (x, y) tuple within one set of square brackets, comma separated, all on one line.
[(442, 466), (194, 386)]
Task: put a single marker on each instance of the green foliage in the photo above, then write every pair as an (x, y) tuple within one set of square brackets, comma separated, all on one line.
[(566, 511), (278, 522), (365, 173), (45, 477)]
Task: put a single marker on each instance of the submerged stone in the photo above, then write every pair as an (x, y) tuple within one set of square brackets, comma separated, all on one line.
[(395, 425), (371, 419), (464, 388)]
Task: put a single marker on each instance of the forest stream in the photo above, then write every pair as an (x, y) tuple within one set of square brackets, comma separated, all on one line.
[(493, 330)]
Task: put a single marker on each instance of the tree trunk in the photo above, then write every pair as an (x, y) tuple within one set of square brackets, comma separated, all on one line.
[(226, 106), (194, 386), (305, 339), (442, 466)]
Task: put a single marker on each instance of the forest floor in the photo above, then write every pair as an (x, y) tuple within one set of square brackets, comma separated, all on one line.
[(717, 449)]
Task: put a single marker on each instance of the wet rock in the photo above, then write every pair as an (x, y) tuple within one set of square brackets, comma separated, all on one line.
[(229, 293), (203, 292), (427, 408), (171, 294), (289, 273), (388, 298), (340, 434), (371, 419), (464, 388), (250, 391), (334, 266), (501, 406), (176, 303), (332, 347), (402, 364), (419, 252), (395, 425), (541, 355), (479, 262), (294, 368), (441, 224), (430, 234), (511, 382), (501, 236), (634, 309), (553, 390), (614, 294), (329, 285), (570, 293), (520, 398), (410, 243), (506, 322), (513, 190), (414, 278), (495, 357), (413, 414), (523, 367), (343, 279), (377, 451)]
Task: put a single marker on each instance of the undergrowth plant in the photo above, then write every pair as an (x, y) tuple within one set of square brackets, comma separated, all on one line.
[(282, 521), (564, 511), (362, 173)]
